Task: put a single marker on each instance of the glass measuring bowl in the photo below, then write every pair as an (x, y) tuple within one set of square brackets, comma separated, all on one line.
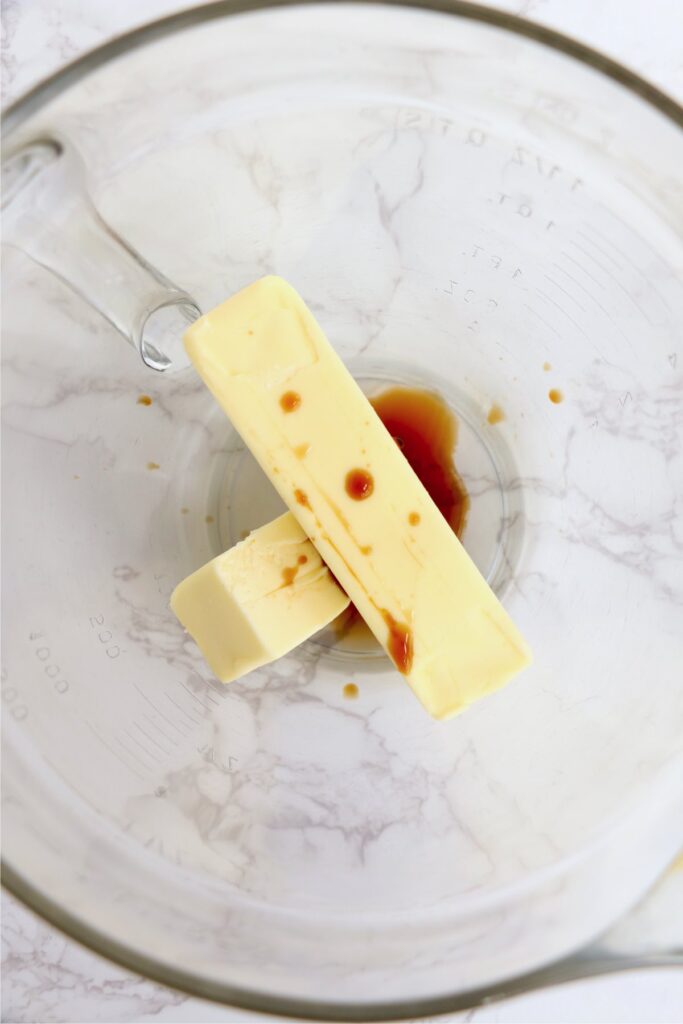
[(462, 206)]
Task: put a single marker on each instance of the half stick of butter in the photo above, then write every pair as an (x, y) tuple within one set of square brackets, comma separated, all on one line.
[(328, 454), (259, 600)]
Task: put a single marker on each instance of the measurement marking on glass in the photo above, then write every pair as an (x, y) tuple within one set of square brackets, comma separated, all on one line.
[(580, 266), (581, 286), (111, 750), (143, 748), (195, 721), (631, 230), (133, 755), (564, 291), (569, 317), (216, 689), (148, 718), (616, 280), (151, 739), (591, 241), (543, 320), (160, 713), (195, 697), (589, 256)]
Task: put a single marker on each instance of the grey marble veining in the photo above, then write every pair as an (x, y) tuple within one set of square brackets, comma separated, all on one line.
[(226, 779)]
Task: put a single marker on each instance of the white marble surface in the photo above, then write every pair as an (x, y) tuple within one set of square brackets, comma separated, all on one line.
[(48, 978)]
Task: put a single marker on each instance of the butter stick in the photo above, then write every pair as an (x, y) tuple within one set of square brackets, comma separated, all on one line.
[(258, 600), (306, 421)]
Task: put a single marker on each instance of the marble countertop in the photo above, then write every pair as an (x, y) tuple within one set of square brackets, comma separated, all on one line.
[(47, 977)]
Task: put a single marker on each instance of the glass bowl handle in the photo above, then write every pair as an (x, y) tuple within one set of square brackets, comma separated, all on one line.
[(48, 213)]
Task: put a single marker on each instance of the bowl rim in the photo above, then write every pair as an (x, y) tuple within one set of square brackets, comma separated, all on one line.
[(562, 972), (568, 969), (45, 90)]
